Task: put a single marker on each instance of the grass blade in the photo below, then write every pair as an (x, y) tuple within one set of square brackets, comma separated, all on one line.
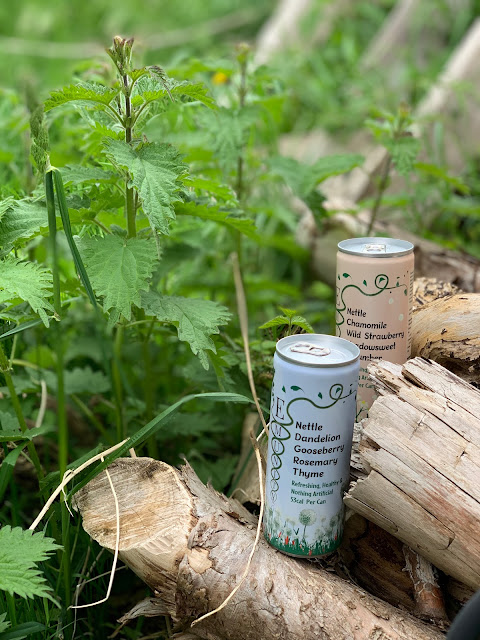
[(150, 428), (19, 328), (62, 205)]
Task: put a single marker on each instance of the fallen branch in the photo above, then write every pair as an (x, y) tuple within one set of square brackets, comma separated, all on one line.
[(191, 544)]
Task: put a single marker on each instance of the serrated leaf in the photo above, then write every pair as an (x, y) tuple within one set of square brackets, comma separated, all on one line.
[(22, 219), (196, 320), (303, 178), (20, 551), (148, 89), (77, 174), (156, 170), (27, 281), (216, 189), (78, 380), (84, 92), (404, 152), (300, 321), (119, 270), (278, 321), (215, 213), (4, 623)]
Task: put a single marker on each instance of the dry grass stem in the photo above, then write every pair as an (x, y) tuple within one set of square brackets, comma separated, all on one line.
[(69, 474), (115, 555), (243, 319), (43, 405)]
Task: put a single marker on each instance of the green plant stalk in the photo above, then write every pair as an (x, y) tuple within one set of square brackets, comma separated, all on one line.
[(11, 609), (130, 210), (88, 413), (149, 388), (381, 190), (17, 407), (57, 305), (117, 383), (61, 403)]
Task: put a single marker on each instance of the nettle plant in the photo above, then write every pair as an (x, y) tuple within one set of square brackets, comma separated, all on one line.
[(116, 290)]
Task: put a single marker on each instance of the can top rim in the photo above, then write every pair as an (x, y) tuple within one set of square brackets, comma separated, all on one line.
[(371, 247), (326, 351)]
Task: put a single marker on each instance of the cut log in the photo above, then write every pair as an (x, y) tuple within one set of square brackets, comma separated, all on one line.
[(447, 330), (191, 545), (421, 448)]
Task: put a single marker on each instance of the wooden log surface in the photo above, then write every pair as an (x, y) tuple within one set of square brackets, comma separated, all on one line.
[(447, 330), (421, 449), (191, 544)]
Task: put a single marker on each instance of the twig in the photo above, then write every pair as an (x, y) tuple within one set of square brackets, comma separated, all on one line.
[(115, 555), (243, 319), (257, 537)]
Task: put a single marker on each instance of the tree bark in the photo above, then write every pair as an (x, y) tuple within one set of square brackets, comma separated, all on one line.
[(421, 450), (191, 544)]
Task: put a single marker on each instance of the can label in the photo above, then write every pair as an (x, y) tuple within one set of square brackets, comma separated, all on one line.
[(373, 310), (308, 460)]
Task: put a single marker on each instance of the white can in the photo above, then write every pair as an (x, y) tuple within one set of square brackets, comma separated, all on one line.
[(310, 439)]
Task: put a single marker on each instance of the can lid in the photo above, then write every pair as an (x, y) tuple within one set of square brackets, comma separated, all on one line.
[(317, 350), (376, 247)]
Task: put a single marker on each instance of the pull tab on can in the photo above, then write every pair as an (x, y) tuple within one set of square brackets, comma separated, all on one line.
[(311, 349)]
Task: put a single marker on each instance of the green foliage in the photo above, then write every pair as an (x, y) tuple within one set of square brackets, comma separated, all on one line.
[(195, 320), (20, 552), (83, 93), (156, 172), (119, 269), (21, 219), (302, 178), (27, 281), (288, 324)]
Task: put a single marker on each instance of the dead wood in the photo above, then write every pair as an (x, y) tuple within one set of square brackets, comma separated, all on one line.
[(190, 544), (421, 449), (428, 289), (447, 330), (431, 260)]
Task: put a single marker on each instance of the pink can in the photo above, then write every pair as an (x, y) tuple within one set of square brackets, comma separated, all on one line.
[(374, 304)]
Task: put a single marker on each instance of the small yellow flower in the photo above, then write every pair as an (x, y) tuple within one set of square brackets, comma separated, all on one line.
[(220, 78)]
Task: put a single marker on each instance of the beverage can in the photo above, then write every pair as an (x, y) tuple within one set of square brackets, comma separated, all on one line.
[(374, 297), (309, 446)]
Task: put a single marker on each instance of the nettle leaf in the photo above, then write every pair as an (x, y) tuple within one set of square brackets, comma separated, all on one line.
[(79, 380), (27, 281), (22, 219), (77, 174), (119, 269), (85, 92), (229, 131), (4, 623), (404, 152), (196, 320), (216, 214), (20, 551), (156, 170), (149, 89), (303, 178), (300, 321), (278, 321)]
